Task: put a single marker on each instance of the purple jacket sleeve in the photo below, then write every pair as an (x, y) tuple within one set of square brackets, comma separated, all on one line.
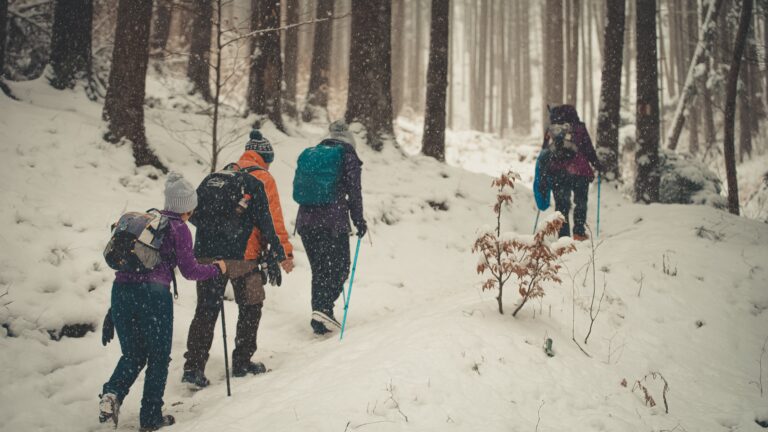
[(352, 174), (586, 146), (185, 258)]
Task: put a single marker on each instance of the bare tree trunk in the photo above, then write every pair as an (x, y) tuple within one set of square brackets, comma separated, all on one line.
[(610, 91), (264, 96), (693, 111), (688, 93), (398, 58), (3, 34), (553, 55), (573, 52), (745, 117), (506, 69), (647, 156), (161, 28), (316, 108), (124, 103), (198, 70), (433, 141), (291, 55), (730, 106), (482, 64), (589, 89), (526, 92), (71, 42), (629, 31), (370, 98)]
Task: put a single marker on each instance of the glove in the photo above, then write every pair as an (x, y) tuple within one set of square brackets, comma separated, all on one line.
[(273, 272), (362, 228), (107, 329)]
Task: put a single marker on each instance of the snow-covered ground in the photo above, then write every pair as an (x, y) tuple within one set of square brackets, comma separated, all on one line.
[(426, 349)]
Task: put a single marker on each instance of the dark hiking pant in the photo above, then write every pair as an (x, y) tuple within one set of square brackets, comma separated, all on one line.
[(329, 260), (249, 296), (563, 185), (143, 317)]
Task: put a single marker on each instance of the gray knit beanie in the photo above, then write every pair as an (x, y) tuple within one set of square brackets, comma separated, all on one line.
[(340, 132), (180, 195)]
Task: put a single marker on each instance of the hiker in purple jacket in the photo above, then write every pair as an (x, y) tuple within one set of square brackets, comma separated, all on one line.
[(325, 230), (142, 312), (569, 169)]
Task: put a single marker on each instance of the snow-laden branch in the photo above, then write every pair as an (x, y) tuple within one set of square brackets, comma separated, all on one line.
[(706, 39), (285, 27)]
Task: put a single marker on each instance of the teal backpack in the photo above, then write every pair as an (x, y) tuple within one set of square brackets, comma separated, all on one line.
[(317, 174)]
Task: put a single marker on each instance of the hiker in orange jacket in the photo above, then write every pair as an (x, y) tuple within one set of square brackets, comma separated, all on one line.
[(259, 153)]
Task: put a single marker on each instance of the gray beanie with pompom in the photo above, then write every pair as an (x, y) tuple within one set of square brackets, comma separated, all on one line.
[(180, 195), (340, 131)]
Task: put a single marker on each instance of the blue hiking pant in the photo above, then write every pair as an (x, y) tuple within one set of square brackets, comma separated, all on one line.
[(563, 185), (143, 317), (329, 260)]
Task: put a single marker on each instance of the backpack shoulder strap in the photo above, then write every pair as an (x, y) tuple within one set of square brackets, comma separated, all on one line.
[(251, 169)]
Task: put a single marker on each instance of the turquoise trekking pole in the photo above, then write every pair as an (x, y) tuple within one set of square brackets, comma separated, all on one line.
[(598, 206), (349, 292)]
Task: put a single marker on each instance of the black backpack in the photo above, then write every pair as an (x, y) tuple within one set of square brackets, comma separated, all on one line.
[(223, 194)]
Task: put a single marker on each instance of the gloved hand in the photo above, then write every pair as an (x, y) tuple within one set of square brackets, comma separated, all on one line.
[(361, 228), (107, 329), (273, 272)]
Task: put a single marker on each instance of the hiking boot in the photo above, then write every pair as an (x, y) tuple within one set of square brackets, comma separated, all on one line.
[(580, 237), (109, 408), (318, 327), (253, 368), (196, 378), (327, 318), (167, 420)]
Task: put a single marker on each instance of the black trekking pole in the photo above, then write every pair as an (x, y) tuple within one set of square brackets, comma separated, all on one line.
[(226, 352)]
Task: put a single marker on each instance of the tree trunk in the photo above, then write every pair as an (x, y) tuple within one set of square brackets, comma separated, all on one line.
[(3, 34), (693, 111), (266, 73), (369, 100), (482, 65), (316, 108), (688, 93), (647, 156), (433, 142), (745, 117), (291, 55), (198, 70), (553, 55), (730, 106), (525, 75), (573, 53), (124, 103), (71, 42), (610, 91), (398, 57), (629, 31), (161, 28)]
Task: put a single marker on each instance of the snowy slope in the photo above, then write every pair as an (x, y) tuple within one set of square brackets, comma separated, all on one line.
[(426, 349)]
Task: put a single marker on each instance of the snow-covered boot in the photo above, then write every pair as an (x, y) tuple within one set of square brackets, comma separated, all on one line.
[(327, 318), (581, 237), (109, 408), (166, 421), (253, 368), (196, 378), (318, 327)]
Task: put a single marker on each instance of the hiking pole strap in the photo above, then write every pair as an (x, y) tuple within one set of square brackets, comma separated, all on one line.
[(226, 351), (349, 291)]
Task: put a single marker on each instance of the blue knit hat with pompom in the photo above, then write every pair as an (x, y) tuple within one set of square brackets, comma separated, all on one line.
[(260, 145)]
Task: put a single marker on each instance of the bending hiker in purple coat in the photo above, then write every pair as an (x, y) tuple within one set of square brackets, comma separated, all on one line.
[(142, 312), (325, 230), (568, 169)]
